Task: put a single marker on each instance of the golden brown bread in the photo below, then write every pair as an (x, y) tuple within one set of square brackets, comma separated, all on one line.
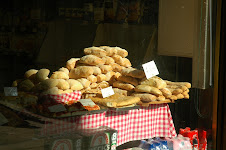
[(145, 97), (92, 78), (121, 92), (105, 68), (187, 84), (49, 83), (71, 63), (128, 79), (52, 91), (166, 92), (161, 98), (65, 70), (80, 72), (59, 75), (42, 74), (62, 84), (148, 89), (95, 51), (110, 51), (123, 85), (74, 84), (91, 60), (116, 67), (155, 82), (108, 60), (85, 83), (26, 85), (121, 52), (132, 72), (30, 74), (110, 75)]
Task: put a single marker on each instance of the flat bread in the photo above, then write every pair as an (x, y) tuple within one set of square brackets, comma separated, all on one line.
[(116, 100)]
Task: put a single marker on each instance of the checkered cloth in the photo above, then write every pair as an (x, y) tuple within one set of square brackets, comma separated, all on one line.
[(136, 124), (65, 98)]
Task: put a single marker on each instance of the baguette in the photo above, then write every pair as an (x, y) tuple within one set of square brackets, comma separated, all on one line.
[(95, 51), (148, 89)]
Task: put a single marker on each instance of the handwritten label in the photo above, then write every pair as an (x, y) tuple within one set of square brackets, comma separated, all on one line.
[(106, 92), (3, 120), (57, 108), (10, 91), (150, 69), (87, 102)]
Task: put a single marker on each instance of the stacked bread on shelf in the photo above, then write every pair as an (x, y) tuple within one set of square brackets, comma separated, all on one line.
[(102, 67)]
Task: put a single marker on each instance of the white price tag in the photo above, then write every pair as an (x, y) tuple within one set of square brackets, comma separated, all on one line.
[(57, 108), (87, 102), (3, 120), (106, 92), (10, 91), (150, 69)]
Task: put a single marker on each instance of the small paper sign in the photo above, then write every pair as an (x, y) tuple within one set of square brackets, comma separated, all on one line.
[(106, 92), (57, 108), (10, 91), (3, 120), (150, 69), (87, 102)]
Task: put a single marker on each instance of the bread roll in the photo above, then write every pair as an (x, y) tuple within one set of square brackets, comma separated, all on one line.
[(63, 84), (26, 85), (128, 79), (16, 82), (74, 84), (85, 83), (108, 60), (93, 85), (116, 67), (121, 92), (110, 51), (92, 78), (173, 97), (101, 77), (148, 89), (91, 60), (65, 70), (121, 52), (117, 75), (122, 85), (125, 62), (166, 92), (80, 72), (132, 72), (96, 70), (117, 59), (180, 96), (161, 98), (110, 75), (103, 84), (30, 74), (42, 74), (59, 75), (155, 82), (187, 84), (105, 68), (71, 63), (49, 83), (145, 97), (95, 51)]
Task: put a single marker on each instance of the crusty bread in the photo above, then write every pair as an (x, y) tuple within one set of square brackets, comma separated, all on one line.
[(91, 60)]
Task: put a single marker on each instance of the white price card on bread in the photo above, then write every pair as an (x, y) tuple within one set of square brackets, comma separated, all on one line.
[(150, 69), (87, 102), (10, 91), (57, 108), (3, 120), (106, 92)]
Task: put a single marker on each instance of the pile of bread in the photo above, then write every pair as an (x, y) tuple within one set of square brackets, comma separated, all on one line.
[(102, 67)]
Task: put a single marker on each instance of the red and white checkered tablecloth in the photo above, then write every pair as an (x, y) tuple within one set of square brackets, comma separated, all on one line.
[(136, 124)]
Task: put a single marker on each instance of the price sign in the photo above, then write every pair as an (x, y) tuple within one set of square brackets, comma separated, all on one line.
[(10, 91), (87, 102), (3, 120), (57, 108), (150, 69), (106, 92)]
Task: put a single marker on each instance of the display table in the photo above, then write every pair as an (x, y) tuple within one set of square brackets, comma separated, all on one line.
[(136, 124)]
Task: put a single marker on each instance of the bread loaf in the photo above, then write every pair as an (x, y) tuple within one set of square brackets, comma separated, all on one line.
[(92, 78), (110, 51), (26, 85), (116, 67), (110, 75), (148, 89), (155, 82), (187, 84), (145, 97), (49, 83), (101, 77), (95, 51), (30, 74), (105, 68), (121, 92), (122, 85), (121, 52), (63, 84), (74, 84), (108, 60), (91, 60), (132, 72), (42, 74), (71, 63), (128, 79), (59, 75), (80, 72), (85, 83), (65, 70)]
